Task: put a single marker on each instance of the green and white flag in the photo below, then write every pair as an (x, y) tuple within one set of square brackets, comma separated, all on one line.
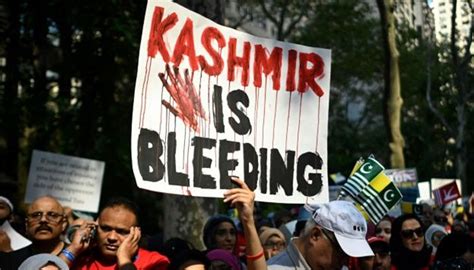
[(372, 189), (362, 176), (379, 197)]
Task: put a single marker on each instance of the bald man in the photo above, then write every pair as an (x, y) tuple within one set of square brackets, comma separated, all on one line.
[(45, 222)]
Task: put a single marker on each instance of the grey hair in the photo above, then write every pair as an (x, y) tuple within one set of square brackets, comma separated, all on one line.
[(310, 224)]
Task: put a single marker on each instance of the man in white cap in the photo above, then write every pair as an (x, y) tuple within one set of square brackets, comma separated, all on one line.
[(6, 210), (335, 232)]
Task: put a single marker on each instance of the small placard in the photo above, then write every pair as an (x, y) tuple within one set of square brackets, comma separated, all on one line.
[(75, 182)]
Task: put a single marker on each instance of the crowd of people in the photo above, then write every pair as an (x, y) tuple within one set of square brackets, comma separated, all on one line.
[(333, 235)]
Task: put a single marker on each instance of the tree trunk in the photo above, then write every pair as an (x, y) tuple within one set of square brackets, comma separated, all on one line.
[(40, 91), (185, 217), (392, 96), (460, 65)]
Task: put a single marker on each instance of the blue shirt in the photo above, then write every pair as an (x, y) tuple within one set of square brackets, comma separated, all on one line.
[(290, 258)]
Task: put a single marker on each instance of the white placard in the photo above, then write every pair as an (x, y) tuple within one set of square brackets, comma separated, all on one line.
[(17, 241), (211, 102), (75, 182), (425, 191)]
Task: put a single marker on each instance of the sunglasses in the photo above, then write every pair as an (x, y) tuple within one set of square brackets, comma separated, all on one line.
[(408, 234)]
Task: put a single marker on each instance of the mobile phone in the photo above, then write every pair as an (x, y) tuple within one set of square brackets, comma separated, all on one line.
[(91, 236)]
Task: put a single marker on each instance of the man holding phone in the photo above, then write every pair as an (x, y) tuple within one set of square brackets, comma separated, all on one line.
[(116, 243)]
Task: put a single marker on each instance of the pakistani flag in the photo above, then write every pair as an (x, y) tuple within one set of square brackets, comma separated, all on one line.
[(411, 208), (359, 180), (379, 196)]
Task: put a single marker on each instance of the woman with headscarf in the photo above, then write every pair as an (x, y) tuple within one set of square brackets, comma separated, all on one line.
[(407, 244), (273, 242), (223, 260), (220, 232), (433, 236)]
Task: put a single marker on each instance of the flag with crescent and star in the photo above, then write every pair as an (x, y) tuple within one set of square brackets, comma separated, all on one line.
[(378, 197), (372, 189), (411, 208), (361, 176)]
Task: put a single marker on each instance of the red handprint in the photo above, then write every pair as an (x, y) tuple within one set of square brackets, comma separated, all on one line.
[(188, 104)]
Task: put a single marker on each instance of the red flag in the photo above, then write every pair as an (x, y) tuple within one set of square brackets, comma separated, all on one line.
[(446, 193)]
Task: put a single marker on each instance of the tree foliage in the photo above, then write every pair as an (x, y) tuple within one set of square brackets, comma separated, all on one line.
[(69, 83), (353, 34)]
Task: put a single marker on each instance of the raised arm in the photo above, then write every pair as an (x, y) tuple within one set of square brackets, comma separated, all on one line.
[(243, 199)]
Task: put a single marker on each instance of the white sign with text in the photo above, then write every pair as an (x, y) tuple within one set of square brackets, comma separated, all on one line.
[(75, 182), (212, 102)]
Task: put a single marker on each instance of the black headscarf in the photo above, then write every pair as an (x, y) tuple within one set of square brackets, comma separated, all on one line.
[(209, 230), (403, 258)]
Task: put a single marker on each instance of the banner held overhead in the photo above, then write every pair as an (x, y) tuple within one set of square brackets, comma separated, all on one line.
[(212, 102)]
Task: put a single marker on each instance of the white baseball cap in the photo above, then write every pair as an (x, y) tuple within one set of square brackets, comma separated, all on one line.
[(347, 223), (8, 202)]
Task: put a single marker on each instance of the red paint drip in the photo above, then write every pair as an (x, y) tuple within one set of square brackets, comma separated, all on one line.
[(288, 121), (274, 117), (142, 99), (317, 131), (299, 123), (264, 111), (209, 106), (199, 94), (255, 118), (161, 107)]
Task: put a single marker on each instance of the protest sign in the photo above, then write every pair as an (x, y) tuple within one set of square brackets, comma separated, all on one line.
[(75, 182), (17, 241), (446, 193), (425, 191), (436, 183), (407, 182), (212, 102)]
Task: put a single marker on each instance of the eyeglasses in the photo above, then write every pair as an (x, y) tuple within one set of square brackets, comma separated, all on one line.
[(275, 245), (52, 217), (408, 234)]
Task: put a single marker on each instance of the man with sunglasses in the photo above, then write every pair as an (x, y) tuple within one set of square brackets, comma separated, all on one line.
[(336, 231)]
